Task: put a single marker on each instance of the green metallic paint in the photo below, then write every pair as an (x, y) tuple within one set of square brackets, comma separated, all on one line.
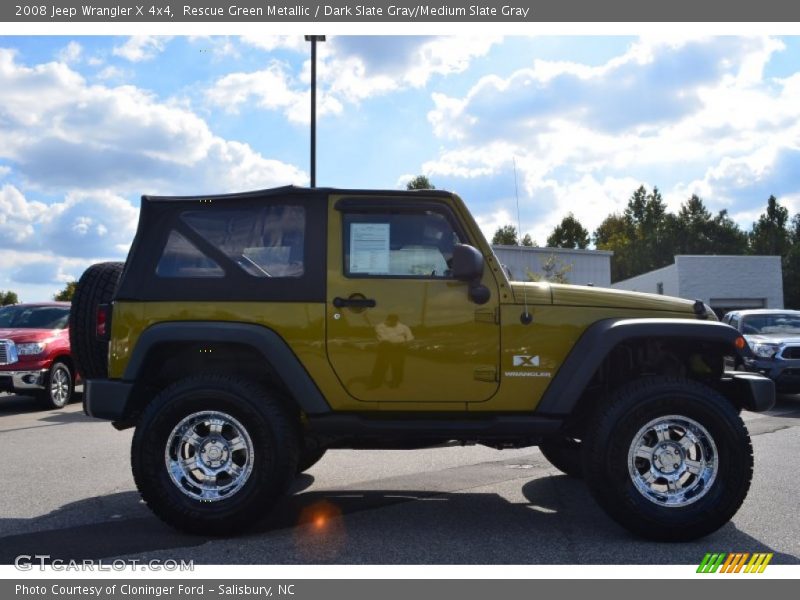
[(453, 356), (462, 354)]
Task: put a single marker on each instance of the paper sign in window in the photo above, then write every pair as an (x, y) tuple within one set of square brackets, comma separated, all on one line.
[(369, 248)]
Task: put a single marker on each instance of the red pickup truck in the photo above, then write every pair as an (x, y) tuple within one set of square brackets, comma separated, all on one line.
[(34, 352)]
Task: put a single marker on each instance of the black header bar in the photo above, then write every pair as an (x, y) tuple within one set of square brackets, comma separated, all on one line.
[(409, 11)]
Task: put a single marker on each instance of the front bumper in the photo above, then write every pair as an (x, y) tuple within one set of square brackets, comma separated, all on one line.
[(107, 399), (22, 381), (750, 391), (784, 372)]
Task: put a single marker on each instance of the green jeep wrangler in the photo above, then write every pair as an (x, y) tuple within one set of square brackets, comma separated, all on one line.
[(248, 333)]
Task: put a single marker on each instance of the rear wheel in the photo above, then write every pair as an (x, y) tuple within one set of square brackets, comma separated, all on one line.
[(96, 286), (59, 386), (669, 459), (564, 453), (212, 454)]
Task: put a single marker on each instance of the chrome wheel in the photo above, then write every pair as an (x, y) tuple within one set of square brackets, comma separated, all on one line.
[(673, 461), (209, 456), (60, 383)]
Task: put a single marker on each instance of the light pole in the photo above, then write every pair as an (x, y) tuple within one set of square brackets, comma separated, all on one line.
[(314, 39)]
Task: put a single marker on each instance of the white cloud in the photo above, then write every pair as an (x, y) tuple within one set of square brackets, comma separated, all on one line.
[(271, 89), (358, 67), (111, 72), (350, 69), (71, 53), (218, 46), (586, 136), (141, 47), (37, 276), (64, 133), (18, 217), (296, 43), (82, 225), (88, 224), (491, 222)]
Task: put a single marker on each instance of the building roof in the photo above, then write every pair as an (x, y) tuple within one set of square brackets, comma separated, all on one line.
[(546, 250)]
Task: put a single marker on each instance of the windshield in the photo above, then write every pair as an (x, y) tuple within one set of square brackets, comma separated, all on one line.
[(766, 324), (34, 317)]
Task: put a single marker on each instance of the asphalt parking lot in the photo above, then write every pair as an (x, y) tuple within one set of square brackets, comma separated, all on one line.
[(67, 492)]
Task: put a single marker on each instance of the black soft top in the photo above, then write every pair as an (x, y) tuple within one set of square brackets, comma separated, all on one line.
[(160, 216), (293, 190)]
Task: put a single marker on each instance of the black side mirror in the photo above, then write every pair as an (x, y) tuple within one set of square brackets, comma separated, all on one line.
[(467, 263), (468, 266)]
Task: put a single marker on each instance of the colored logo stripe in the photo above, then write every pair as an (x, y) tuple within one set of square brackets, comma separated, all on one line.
[(734, 562), (758, 563), (711, 562)]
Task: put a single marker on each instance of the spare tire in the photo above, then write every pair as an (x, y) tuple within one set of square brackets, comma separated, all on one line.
[(97, 286)]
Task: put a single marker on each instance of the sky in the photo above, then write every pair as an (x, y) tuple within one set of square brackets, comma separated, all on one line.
[(89, 124)]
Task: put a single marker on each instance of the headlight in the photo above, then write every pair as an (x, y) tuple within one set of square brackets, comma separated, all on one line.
[(760, 350), (31, 349)]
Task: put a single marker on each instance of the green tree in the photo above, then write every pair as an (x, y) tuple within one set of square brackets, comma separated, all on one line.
[(569, 234), (8, 297), (694, 230), (770, 235), (616, 233), (420, 182), (554, 270), (67, 293), (642, 238), (791, 267), (726, 236), (505, 236)]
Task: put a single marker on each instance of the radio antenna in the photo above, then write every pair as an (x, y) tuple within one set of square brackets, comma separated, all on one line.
[(525, 318)]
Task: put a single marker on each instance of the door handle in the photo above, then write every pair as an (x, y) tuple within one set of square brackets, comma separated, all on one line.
[(354, 302)]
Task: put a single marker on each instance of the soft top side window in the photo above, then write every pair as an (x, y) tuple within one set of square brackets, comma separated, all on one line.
[(263, 241)]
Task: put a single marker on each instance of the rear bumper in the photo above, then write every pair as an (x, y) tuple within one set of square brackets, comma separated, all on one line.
[(107, 399), (22, 381)]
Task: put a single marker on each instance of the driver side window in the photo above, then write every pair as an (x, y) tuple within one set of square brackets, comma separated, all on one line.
[(407, 245)]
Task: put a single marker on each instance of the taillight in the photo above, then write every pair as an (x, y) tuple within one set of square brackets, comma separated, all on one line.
[(101, 323)]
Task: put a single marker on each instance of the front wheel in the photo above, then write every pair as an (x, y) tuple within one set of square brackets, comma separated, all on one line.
[(669, 459), (212, 454), (58, 387)]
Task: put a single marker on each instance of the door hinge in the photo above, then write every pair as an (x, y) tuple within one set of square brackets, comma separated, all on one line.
[(485, 374), (488, 315)]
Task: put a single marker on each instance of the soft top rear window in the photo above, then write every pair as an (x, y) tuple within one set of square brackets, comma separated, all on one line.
[(249, 248)]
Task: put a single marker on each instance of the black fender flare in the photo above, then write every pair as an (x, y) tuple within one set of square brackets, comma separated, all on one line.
[(601, 337), (267, 342)]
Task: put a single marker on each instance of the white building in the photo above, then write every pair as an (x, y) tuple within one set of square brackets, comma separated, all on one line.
[(723, 282), (588, 267)]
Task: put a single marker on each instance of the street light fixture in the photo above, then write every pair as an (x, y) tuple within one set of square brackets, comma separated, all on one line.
[(314, 39)]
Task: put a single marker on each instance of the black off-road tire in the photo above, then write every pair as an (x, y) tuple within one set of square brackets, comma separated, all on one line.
[(270, 427), (96, 286), (565, 454), (632, 409), (57, 396), (309, 457)]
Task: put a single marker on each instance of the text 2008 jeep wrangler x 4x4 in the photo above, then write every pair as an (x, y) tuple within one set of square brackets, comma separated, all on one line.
[(248, 333)]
